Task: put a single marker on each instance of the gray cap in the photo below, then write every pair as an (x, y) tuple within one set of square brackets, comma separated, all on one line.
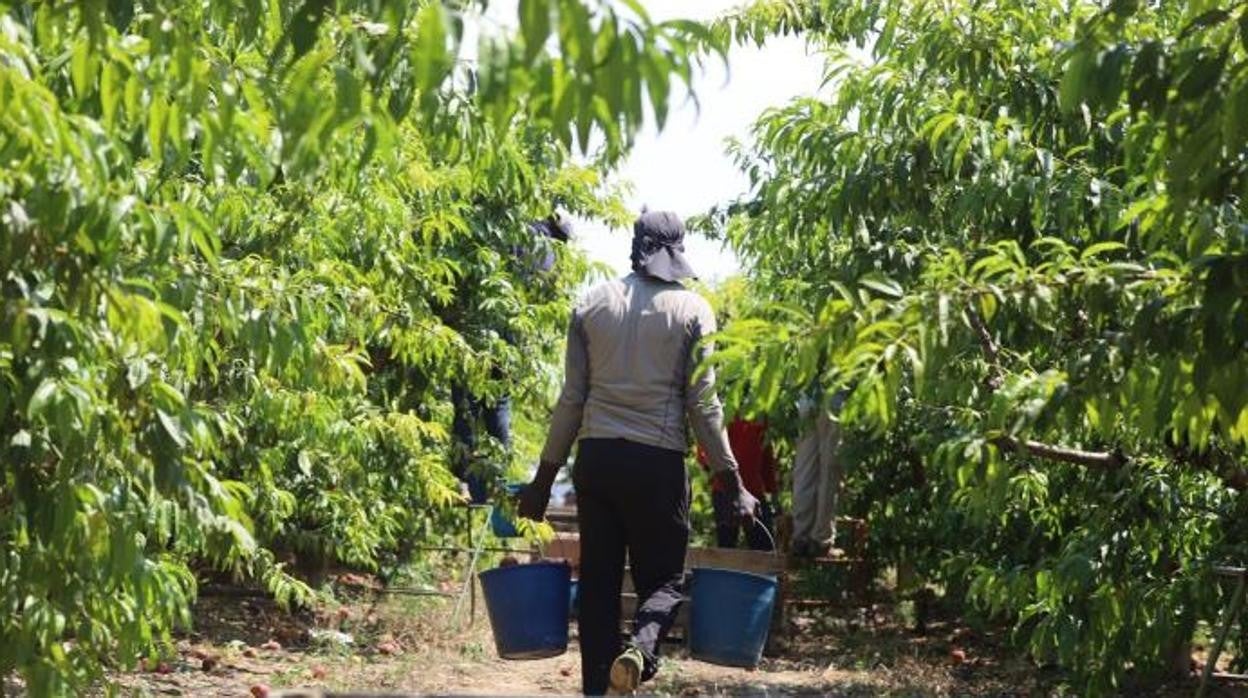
[(659, 246)]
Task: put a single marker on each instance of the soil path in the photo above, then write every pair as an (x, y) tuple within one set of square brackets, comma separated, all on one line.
[(440, 673), (680, 676), (406, 647)]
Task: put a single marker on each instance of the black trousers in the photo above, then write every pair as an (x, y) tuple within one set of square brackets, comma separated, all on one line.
[(634, 499)]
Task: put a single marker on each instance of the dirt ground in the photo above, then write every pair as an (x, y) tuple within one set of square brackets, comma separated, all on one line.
[(406, 645)]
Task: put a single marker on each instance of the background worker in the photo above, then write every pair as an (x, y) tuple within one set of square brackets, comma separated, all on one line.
[(630, 385), (535, 259), (818, 472), (757, 465)]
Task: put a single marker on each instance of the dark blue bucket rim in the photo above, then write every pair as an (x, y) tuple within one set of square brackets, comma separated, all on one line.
[(524, 565), (756, 575)]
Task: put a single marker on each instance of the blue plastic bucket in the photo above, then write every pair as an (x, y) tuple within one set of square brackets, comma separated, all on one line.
[(574, 597), (528, 607), (730, 616), (502, 526)]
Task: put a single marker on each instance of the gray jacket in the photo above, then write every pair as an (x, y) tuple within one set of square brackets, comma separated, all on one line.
[(630, 371)]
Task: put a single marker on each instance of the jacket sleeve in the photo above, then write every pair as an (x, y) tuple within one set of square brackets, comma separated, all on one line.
[(565, 422), (702, 406)]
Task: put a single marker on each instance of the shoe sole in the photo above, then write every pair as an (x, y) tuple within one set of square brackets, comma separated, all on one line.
[(625, 678)]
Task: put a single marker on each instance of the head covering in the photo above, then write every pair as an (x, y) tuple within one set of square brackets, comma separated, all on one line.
[(554, 226), (540, 255), (659, 246)]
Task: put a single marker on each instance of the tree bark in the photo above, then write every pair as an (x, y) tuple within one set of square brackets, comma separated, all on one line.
[(989, 346), (1110, 460)]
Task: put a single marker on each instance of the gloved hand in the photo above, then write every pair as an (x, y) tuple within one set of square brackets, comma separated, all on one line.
[(536, 495), (744, 504)]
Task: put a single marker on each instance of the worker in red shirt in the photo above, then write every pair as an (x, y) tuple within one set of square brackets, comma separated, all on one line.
[(757, 465)]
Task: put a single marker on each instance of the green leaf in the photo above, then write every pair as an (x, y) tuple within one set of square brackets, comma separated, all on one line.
[(882, 284), (173, 129), (110, 94), (1100, 249), (577, 35), (172, 427), (1204, 20), (656, 71), (348, 93), (305, 24), (638, 9), (535, 26), (82, 69), (431, 60), (156, 117), (1235, 118), (41, 398), (1075, 79), (1203, 75)]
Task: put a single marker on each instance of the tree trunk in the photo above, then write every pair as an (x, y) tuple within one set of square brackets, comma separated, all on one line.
[(1180, 661)]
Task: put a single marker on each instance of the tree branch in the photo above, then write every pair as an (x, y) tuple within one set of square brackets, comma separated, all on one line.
[(989, 346), (1108, 460), (996, 378), (1233, 477), (986, 342)]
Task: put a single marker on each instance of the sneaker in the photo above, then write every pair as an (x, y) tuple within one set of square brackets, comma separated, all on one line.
[(626, 672)]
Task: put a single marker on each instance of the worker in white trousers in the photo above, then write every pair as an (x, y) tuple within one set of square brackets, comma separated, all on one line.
[(818, 472)]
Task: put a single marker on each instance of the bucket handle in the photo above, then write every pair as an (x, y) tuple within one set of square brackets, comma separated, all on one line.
[(775, 550)]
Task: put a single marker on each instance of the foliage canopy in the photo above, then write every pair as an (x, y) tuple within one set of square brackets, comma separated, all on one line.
[(1016, 232), (241, 243)]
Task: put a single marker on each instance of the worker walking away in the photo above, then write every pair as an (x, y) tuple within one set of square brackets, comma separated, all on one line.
[(757, 465), (631, 384), (818, 473)]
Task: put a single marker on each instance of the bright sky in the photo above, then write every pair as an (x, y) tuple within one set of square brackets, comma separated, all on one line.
[(685, 168)]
